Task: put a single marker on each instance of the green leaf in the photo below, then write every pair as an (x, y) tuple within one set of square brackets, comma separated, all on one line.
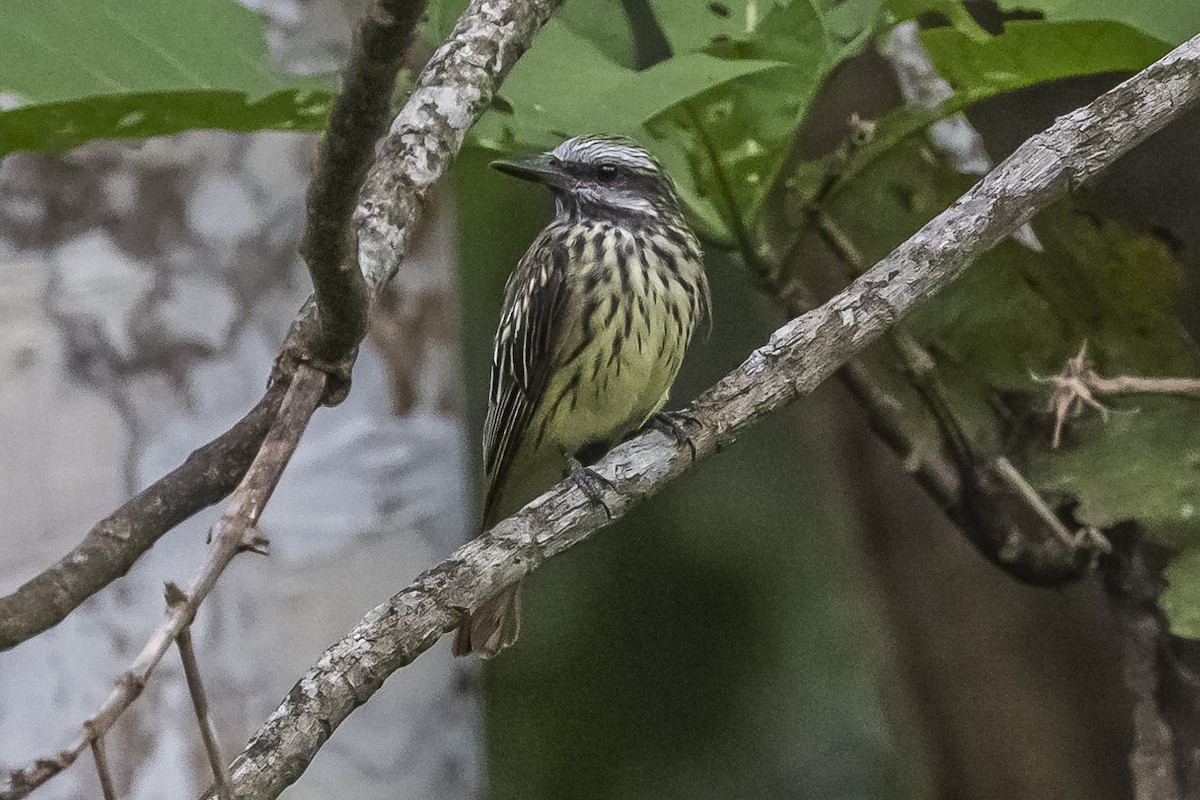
[(1170, 21), (439, 19), (1181, 601), (733, 142), (613, 99), (85, 69), (1142, 464), (742, 72), (953, 10), (1034, 52)]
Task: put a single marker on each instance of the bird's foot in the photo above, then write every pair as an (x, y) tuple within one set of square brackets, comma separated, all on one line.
[(674, 424), (591, 483)]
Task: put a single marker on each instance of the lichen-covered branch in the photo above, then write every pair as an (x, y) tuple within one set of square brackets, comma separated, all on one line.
[(454, 88), (798, 357)]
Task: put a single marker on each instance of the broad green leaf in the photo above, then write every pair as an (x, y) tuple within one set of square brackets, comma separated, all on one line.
[(733, 141), (82, 69), (1033, 52), (1169, 21), (605, 25), (742, 73), (1142, 464), (1181, 601), (614, 99)]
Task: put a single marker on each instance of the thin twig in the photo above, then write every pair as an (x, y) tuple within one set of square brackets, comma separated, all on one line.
[(1135, 384), (799, 356), (191, 670), (234, 532), (101, 758)]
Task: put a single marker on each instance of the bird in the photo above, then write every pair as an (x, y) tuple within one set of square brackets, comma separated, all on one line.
[(596, 318)]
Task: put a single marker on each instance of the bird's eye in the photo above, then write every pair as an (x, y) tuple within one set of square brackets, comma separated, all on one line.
[(606, 173)]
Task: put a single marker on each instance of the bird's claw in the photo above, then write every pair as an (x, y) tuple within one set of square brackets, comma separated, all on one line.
[(592, 484), (673, 424)]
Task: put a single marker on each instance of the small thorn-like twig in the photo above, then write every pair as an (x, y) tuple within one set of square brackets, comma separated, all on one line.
[(255, 541), (1077, 385), (191, 670), (1087, 537), (101, 759)]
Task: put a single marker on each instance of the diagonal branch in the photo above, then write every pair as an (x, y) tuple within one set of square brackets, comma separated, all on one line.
[(100, 756), (111, 547), (191, 671), (798, 357)]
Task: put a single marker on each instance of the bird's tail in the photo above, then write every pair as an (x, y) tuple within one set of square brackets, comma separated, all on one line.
[(493, 627)]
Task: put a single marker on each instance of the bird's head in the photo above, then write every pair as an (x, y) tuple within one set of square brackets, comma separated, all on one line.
[(599, 176)]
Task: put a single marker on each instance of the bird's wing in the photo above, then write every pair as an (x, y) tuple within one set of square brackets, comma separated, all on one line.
[(523, 356)]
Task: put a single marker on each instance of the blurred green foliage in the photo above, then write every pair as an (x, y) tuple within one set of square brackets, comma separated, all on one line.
[(1018, 315)]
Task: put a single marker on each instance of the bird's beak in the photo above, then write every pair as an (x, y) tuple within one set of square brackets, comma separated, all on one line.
[(538, 169)]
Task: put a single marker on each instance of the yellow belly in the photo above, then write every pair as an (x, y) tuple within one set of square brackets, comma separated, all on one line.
[(617, 363), (622, 341)]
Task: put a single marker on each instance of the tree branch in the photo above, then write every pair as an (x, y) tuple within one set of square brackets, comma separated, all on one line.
[(797, 358), (359, 117), (234, 532), (100, 757), (1133, 581), (111, 547), (326, 333), (191, 671), (454, 88)]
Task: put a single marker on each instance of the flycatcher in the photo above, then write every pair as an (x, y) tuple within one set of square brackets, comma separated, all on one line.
[(596, 319)]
